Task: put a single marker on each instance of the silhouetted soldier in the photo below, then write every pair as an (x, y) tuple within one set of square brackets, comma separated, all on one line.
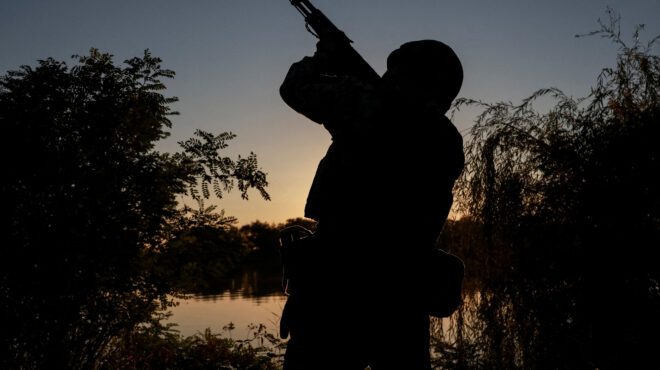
[(381, 196)]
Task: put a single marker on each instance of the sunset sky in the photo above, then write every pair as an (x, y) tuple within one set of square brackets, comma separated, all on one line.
[(230, 57)]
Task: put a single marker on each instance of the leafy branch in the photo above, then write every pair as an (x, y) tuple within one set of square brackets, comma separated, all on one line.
[(215, 173)]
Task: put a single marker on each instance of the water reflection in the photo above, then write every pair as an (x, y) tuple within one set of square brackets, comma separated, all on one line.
[(249, 297), (252, 284)]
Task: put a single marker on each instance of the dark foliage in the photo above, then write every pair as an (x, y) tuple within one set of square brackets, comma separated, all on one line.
[(568, 205), (157, 347), (197, 260), (89, 203), (222, 174), (206, 255)]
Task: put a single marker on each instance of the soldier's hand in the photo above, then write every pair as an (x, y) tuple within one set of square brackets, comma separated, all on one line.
[(329, 54), (328, 46)]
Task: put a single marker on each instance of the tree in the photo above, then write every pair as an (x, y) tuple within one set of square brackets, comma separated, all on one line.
[(570, 211), (89, 202), (199, 259), (263, 242)]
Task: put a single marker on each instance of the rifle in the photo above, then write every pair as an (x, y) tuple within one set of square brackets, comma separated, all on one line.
[(350, 61)]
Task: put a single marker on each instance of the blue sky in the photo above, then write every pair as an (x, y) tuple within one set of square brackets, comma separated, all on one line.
[(230, 57)]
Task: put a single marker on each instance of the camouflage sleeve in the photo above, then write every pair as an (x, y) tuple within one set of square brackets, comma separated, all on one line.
[(343, 104)]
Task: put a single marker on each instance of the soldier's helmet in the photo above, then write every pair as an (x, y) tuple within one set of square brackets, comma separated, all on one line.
[(425, 69)]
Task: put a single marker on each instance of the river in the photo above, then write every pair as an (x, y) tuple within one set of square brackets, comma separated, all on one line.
[(250, 298)]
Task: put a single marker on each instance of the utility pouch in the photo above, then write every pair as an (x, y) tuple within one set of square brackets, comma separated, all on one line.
[(295, 243)]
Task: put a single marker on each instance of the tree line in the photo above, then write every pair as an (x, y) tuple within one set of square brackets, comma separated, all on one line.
[(200, 259)]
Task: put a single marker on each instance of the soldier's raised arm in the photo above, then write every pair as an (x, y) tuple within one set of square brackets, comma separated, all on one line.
[(334, 100)]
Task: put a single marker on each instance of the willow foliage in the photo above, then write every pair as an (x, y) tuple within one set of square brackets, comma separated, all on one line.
[(567, 202)]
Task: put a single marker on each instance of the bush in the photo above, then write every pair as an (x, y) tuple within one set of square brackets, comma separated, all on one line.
[(569, 210), (158, 347), (89, 203)]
